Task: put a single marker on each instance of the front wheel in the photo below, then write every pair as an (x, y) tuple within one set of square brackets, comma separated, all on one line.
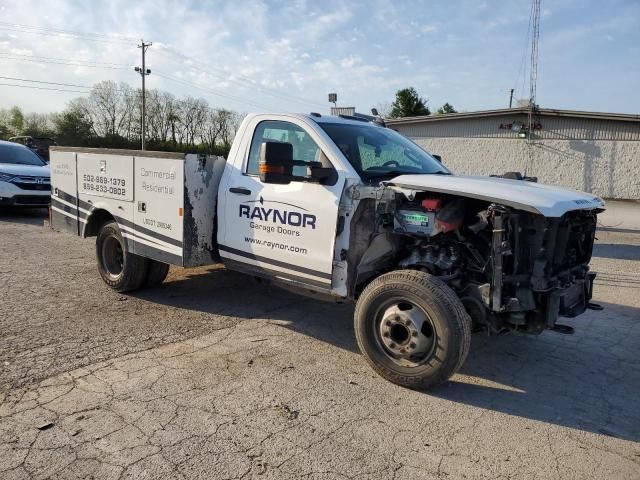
[(412, 329), (121, 270)]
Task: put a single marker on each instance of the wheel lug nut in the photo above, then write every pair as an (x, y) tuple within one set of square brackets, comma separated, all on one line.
[(392, 345), (407, 322), (414, 334), (386, 334), (412, 345)]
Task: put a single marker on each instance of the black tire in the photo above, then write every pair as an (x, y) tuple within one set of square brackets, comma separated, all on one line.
[(156, 274), (445, 328), (121, 270)]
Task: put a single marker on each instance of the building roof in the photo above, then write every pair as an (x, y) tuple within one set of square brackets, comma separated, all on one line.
[(550, 112)]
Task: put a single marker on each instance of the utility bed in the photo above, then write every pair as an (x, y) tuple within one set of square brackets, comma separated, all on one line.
[(164, 202)]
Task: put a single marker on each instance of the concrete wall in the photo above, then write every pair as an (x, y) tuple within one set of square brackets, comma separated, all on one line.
[(610, 169), (601, 157)]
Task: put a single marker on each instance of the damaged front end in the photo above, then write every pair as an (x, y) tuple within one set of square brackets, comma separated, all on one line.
[(512, 269), (539, 268)]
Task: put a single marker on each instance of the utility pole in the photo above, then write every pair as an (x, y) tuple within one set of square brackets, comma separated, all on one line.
[(533, 68), (533, 77), (511, 98), (143, 71)]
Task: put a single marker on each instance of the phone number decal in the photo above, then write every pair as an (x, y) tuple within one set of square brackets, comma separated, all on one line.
[(101, 184)]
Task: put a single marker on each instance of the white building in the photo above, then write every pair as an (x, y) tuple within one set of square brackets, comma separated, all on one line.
[(589, 151)]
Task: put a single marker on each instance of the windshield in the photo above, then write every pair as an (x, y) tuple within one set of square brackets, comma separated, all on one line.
[(17, 154), (377, 152)]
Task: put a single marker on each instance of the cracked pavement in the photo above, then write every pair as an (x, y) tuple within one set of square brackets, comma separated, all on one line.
[(214, 375)]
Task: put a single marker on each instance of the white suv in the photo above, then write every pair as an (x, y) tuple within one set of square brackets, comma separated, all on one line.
[(25, 180)]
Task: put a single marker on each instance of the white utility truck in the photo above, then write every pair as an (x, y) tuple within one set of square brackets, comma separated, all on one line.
[(346, 210)]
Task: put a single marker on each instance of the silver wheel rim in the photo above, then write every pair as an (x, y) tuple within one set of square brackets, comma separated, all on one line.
[(405, 333)]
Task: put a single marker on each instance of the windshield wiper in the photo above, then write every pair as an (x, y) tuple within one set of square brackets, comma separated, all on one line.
[(395, 173)]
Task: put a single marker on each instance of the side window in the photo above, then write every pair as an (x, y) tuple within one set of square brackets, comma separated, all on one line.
[(304, 148)]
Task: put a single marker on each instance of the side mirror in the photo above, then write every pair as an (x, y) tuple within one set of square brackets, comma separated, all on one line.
[(322, 171), (437, 157), (276, 162), (323, 175)]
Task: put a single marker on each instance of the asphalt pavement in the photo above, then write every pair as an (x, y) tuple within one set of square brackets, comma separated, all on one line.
[(215, 376)]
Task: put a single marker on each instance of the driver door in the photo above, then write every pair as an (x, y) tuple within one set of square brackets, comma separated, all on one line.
[(287, 231)]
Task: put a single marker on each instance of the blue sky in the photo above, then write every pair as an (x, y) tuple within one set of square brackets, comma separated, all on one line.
[(287, 55)]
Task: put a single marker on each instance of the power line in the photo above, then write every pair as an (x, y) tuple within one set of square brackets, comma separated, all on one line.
[(50, 83), (70, 32), (246, 81), (41, 88), (213, 92), (127, 93), (65, 35), (72, 64), (80, 60)]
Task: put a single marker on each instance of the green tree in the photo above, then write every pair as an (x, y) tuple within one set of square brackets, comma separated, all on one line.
[(16, 120), (446, 108), (5, 130), (73, 125), (409, 104)]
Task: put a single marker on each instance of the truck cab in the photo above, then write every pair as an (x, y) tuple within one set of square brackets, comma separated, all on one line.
[(349, 211), (286, 229)]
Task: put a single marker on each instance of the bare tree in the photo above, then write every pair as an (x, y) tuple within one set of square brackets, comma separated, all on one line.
[(38, 124), (211, 131), (193, 114), (229, 122), (112, 109), (161, 114), (384, 109)]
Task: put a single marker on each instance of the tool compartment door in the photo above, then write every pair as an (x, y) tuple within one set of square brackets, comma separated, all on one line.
[(158, 209), (105, 182), (64, 194)]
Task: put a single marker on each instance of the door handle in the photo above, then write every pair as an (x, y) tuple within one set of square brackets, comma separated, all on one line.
[(240, 190)]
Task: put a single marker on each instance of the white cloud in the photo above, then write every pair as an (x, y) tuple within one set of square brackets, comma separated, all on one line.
[(269, 52)]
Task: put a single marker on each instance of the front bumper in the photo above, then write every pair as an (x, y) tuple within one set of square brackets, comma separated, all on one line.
[(12, 195)]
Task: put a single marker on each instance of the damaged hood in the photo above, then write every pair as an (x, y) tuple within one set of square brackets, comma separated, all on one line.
[(532, 197)]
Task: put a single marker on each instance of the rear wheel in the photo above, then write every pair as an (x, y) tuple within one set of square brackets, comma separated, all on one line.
[(158, 271), (121, 270), (412, 328)]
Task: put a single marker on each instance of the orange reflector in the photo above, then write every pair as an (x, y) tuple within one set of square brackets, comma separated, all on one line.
[(180, 211), (263, 168)]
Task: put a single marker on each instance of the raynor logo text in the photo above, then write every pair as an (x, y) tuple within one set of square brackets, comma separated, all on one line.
[(275, 215)]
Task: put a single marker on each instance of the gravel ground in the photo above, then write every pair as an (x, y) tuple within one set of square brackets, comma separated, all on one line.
[(215, 376)]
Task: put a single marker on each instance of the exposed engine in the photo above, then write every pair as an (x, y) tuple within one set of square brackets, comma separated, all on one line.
[(439, 246), (512, 269)]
